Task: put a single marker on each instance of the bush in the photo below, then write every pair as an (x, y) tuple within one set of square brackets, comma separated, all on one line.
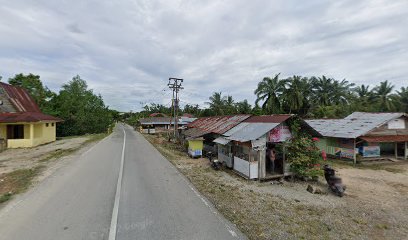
[(304, 156)]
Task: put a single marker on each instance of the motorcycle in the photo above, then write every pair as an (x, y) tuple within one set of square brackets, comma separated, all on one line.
[(215, 164), (334, 182)]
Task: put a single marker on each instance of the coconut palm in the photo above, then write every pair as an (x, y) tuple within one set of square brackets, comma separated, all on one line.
[(217, 103), (383, 96), (243, 107), (297, 94), (269, 92), (403, 99)]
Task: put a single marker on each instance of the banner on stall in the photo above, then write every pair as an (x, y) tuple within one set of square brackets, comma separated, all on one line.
[(371, 151)]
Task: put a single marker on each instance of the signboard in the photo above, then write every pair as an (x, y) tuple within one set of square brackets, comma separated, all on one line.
[(280, 133), (344, 153), (371, 151)]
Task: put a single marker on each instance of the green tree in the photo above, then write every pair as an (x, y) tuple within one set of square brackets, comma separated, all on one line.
[(383, 96), (243, 107), (269, 91), (403, 99), (297, 94), (217, 104), (83, 111), (33, 84)]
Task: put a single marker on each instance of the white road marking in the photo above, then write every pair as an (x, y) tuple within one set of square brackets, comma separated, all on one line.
[(114, 220)]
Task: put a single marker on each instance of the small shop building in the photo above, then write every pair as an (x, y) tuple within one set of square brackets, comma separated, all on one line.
[(22, 124), (249, 147), (201, 133), (364, 136)]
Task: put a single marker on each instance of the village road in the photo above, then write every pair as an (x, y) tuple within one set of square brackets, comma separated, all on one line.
[(79, 200)]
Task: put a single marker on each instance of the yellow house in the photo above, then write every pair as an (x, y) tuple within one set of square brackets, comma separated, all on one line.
[(22, 124)]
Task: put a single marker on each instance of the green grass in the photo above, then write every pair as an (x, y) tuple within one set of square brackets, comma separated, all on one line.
[(59, 153), (17, 181)]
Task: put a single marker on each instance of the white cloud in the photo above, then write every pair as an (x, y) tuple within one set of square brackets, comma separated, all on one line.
[(126, 50)]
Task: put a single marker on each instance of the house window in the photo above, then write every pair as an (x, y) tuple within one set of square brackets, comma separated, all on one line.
[(52, 124), (15, 131), (47, 124)]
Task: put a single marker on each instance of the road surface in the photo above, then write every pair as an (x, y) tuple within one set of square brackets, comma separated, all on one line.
[(92, 198)]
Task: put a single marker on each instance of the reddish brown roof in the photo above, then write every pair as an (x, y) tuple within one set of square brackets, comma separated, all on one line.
[(395, 138), (26, 117), (218, 124), (157, 114), (20, 98), (275, 118)]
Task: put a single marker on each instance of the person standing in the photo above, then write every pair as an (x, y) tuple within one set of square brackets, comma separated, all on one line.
[(272, 158)]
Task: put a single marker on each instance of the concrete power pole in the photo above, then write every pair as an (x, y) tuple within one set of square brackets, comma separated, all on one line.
[(175, 85)]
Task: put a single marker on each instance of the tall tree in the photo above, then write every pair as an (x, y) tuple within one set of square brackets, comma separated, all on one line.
[(217, 103), (403, 99), (297, 94), (243, 107), (82, 110), (33, 84), (383, 96), (269, 91)]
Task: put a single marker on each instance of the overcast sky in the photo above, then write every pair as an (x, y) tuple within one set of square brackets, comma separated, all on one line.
[(127, 49)]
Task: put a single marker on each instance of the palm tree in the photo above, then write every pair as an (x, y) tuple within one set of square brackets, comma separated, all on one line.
[(243, 107), (341, 92), (217, 103), (321, 90), (403, 99), (383, 96), (296, 95), (229, 105), (269, 91)]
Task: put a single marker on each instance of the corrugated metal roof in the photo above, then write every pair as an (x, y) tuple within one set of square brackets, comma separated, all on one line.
[(251, 131), (165, 120), (222, 140), (20, 98), (274, 118), (355, 125), (395, 138), (26, 117), (219, 124), (195, 132)]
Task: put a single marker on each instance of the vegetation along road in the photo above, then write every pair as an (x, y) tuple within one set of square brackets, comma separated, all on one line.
[(93, 199)]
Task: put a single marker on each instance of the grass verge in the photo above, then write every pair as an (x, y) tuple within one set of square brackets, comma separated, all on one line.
[(17, 181)]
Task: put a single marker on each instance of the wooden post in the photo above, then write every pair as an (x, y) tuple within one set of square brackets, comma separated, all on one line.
[(396, 150), (354, 152), (406, 151)]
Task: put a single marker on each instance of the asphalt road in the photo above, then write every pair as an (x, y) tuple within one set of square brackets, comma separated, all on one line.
[(82, 201)]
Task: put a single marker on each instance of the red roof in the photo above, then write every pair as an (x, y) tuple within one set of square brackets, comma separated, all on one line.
[(392, 138), (218, 124), (26, 117), (26, 110), (188, 115), (157, 114), (20, 98), (275, 118)]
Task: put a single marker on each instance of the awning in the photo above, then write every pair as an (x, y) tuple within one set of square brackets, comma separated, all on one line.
[(222, 140), (395, 138)]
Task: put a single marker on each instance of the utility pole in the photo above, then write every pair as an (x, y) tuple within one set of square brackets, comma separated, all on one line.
[(175, 85)]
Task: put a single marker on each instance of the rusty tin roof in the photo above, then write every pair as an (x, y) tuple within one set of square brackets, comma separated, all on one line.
[(20, 98), (217, 124)]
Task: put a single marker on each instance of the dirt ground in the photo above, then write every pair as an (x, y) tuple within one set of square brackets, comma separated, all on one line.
[(375, 205)]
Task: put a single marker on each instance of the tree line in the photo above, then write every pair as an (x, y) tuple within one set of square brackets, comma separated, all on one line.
[(309, 97), (82, 110)]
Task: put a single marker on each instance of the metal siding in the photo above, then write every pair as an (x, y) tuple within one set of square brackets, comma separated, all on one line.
[(251, 131)]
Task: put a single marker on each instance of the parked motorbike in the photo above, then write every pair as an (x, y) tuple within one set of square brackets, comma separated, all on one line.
[(215, 164), (334, 182)]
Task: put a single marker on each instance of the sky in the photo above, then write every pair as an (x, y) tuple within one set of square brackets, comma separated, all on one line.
[(127, 49)]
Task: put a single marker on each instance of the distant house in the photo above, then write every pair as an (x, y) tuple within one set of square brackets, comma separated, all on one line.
[(363, 135), (201, 132), (245, 147), (22, 124), (162, 124)]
